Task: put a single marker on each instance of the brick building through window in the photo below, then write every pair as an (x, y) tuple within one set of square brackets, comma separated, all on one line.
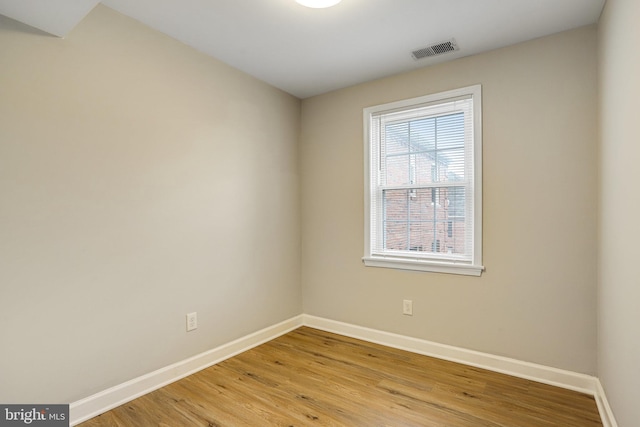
[(423, 153)]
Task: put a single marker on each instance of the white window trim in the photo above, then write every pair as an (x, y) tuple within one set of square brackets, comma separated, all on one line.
[(473, 268)]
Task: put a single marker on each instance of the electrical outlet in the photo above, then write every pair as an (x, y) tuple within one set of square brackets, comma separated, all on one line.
[(407, 307), (192, 321)]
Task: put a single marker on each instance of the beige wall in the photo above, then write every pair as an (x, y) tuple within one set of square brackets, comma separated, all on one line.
[(139, 180), (619, 226), (537, 299)]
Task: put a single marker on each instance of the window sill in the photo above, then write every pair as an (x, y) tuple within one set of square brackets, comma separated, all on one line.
[(423, 265)]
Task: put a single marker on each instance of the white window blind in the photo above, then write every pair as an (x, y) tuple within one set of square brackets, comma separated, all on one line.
[(423, 192)]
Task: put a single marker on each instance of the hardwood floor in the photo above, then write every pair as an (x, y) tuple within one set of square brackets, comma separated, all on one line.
[(310, 377)]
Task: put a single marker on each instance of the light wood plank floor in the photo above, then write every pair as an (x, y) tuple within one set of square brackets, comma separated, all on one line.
[(309, 377)]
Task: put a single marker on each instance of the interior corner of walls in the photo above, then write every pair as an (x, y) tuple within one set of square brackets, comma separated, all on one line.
[(606, 413)]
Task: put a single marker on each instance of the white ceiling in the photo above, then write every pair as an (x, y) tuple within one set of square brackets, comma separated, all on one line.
[(55, 17), (311, 51)]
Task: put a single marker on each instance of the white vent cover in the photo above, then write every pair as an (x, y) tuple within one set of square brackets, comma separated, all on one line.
[(435, 49)]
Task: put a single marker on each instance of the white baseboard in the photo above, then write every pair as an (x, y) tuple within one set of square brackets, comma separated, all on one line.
[(606, 414), (108, 399), (517, 368), (101, 402)]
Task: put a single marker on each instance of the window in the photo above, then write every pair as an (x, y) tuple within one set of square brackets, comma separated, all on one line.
[(423, 184)]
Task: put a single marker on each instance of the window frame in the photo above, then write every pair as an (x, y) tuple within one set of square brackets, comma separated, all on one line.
[(407, 261)]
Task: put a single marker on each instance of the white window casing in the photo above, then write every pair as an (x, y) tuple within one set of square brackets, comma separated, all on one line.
[(423, 183)]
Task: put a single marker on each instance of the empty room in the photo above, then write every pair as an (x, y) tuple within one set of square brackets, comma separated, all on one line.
[(336, 213)]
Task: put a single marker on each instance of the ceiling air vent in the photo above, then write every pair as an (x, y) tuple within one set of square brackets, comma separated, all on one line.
[(435, 49)]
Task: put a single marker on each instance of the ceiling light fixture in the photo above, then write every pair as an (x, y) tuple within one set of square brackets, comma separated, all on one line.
[(318, 4)]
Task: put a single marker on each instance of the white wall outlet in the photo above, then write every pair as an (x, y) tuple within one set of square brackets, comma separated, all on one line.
[(192, 321), (407, 307)]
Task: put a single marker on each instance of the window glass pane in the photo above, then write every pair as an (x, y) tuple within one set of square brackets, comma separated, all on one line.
[(421, 236), (395, 205), (396, 236), (397, 170), (426, 169), (437, 147), (423, 134), (451, 164), (396, 138), (420, 220), (450, 131), (455, 202), (454, 242)]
